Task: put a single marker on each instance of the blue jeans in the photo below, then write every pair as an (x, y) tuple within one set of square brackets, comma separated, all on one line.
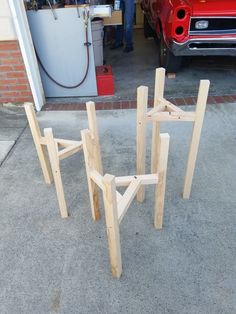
[(126, 31)]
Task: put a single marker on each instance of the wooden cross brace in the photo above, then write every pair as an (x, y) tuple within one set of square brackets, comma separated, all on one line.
[(166, 111), (116, 204), (58, 149)]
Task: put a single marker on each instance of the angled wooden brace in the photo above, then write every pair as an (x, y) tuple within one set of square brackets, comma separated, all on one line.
[(166, 111), (68, 148), (116, 204)]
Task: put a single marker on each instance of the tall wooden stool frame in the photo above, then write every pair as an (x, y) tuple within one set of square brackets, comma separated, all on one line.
[(116, 204), (58, 149), (166, 111)]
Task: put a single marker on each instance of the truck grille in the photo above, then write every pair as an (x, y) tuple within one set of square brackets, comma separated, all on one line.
[(216, 26)]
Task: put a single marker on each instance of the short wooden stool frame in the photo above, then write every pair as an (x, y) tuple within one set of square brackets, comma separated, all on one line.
[(116, 204), (166, 111), (68, 148)]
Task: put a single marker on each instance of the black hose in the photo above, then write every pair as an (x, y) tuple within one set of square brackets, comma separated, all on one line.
[(87, 44)]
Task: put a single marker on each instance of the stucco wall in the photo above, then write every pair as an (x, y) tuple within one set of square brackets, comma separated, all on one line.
[(7, 31)]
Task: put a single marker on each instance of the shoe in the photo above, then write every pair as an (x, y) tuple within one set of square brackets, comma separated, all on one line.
[(116, 46), (128, 49)]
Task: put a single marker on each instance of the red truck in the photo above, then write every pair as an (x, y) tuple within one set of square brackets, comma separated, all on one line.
[(190, 28)]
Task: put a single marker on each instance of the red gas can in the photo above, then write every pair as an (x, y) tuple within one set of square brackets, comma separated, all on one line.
[(105, 80)]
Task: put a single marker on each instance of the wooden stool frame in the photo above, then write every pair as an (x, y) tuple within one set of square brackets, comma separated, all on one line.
[(55, 154), (116, 204), (166, 111)]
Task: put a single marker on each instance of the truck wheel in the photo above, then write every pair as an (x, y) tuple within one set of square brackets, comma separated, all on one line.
[(167, 60), (147, 30)]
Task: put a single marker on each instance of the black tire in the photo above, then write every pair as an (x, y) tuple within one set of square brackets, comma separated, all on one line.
[(167, 60), (147, 30)]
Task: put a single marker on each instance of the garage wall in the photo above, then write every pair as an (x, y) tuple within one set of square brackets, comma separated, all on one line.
[(14, 85)]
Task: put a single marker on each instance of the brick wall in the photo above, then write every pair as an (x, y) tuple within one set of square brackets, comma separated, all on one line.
[(14, 85)]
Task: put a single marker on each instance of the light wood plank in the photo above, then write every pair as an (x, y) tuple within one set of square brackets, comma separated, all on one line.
[(196, 134), (69, 151), (145, 179), (92, 121), (158, 94), (127, 198), (161, 186), (142, 101), (156, 109), (172, 116), (112, 224), (54, 160), (90, 166), (173, 108), (37, 137), (97, 178)]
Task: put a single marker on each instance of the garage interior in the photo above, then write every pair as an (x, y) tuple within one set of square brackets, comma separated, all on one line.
[(133, 69)]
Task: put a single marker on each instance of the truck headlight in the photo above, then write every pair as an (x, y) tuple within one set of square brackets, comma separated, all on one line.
[(203, 24)]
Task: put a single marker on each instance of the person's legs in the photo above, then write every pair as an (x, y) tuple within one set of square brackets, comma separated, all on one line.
[(119, 30), (129, 20)]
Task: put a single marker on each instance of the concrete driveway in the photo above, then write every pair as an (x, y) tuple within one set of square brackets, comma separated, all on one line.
[(54, 265)]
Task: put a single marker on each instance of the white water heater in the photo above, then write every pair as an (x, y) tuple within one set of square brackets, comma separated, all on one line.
[(63, 51)]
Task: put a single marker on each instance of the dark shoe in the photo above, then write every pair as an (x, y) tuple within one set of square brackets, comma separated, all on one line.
[(128, 49), (116, 46)]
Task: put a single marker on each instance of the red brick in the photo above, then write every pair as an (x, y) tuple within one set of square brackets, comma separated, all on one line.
[(8, 82), (218, 99), (228, 98), (8, 46), (99, 105), (25, 93), (5, 68), (19, 67), (133, 104), (12, 61), (23, 81), (6, 99), (23, 99), (10, 94), (19, 87), (4, 87), (16, 54), (107, 105), (150, 103), (125, 104), (116, 105), (179, 101), (4, 54), (211, 100), (15, 74), (190, 100)]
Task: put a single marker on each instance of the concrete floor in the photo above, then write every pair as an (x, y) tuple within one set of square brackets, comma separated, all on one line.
[(51, 265), (138, 68)]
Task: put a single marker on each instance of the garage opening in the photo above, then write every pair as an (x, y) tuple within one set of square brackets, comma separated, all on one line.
[(72, 43)]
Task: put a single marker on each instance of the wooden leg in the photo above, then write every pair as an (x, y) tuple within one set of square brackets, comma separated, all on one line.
[(155, 145), (54, 160), (112, 224), (90, 164), (161, 185), (158, 94), (94, 199), (41, 149), (92, 121), (196, 134), (142, 100)]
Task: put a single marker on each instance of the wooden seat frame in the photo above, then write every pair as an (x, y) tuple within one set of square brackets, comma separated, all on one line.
[(57, 148), (116, 204), (166, 111)]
